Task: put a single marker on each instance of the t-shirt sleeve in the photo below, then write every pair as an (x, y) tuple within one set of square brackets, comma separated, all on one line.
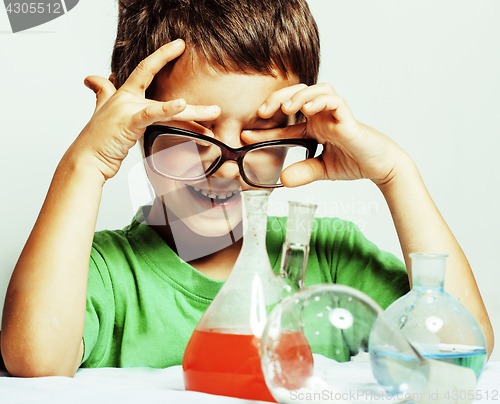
[(359, 263), (99, 315)]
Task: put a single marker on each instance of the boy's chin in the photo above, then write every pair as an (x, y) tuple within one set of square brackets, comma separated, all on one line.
[(201, 239), (215, 228)]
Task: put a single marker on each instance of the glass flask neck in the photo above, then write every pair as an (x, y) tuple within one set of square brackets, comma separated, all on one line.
[(294, 264), (428, 270), (296, 247), (255, 219)]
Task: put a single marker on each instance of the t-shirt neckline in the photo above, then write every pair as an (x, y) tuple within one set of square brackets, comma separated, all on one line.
[(166, 263)]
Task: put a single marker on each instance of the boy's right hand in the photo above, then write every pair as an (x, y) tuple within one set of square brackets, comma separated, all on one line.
[(121, 116)]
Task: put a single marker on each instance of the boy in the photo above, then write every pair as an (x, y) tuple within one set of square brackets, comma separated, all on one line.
[(241, 73)]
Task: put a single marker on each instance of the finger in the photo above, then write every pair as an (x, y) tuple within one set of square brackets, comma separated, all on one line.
[(334, 103), (274, 101), (197, 113), (102, 88), (303, 173), (161, 112), (303, 97), (142, 76), (157, 111), (289, 132)]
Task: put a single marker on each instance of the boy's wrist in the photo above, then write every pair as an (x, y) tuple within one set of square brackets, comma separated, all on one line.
[(405, 172), (83, 164)]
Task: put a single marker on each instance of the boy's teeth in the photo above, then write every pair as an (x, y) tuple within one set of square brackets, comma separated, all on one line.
[(215, 196)]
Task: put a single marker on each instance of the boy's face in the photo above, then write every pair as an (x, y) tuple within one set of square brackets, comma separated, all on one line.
[(239, 96)]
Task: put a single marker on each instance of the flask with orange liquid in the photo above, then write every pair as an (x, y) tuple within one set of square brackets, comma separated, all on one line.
[(222, 356)]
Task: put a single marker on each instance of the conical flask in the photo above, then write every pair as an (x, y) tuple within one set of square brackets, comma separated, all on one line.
[(222, 356), (438, 325), (296, 247)]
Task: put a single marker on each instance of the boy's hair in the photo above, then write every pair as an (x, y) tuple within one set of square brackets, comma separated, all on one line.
[(247, 36)]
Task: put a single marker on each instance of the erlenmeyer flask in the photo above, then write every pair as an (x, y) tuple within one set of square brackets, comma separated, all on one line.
[(296, 247), (222, 355), (438, 325)]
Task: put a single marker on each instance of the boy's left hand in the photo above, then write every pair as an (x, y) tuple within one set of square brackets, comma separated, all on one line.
[(351, 149)]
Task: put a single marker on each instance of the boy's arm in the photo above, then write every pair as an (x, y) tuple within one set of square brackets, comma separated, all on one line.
[(353, 151), (421, 228), (45, 305), (44, 314)]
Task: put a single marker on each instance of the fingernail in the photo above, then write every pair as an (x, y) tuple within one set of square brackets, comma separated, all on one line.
[(263, 107), (177, 43), (213, 108), (308, 105), (287, 104), (177, 103)]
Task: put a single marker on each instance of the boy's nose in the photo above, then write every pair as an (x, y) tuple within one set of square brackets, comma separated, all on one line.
[(229, 170)]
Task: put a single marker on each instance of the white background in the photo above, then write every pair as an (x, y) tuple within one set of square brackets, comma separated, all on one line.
[(425, 73)]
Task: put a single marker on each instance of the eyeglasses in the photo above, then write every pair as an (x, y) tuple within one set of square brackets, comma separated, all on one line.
[(187, 156)]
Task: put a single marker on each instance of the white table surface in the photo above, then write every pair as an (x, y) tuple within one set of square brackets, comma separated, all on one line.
[(145, 385)]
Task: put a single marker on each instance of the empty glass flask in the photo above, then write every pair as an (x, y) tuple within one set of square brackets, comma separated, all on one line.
[(296, 247), (222, 356)]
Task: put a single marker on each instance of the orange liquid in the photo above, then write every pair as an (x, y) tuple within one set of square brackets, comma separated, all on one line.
[(229, 364)]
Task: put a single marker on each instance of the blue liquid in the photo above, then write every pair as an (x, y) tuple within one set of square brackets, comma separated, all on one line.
[(475, 360), (394, 372)]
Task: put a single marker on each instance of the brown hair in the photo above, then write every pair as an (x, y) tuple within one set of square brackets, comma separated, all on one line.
[(249, 36)]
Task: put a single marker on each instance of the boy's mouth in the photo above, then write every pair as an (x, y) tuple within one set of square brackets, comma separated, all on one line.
[(213, 198), (218, 196)]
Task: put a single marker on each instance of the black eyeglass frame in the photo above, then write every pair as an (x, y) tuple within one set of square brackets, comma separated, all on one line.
[(228, 153)]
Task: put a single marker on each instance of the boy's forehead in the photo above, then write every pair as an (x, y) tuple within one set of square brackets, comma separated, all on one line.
[(202, 83)]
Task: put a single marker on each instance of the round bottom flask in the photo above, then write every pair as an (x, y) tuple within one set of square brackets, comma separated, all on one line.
[(438, 325)]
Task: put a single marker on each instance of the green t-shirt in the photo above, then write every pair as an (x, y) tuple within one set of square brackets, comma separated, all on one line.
[(143, 301)]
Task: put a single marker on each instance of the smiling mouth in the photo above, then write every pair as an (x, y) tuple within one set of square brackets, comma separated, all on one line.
[(217, 197)]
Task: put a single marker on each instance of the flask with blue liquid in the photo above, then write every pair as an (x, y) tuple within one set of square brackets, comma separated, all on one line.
[(438, 325)]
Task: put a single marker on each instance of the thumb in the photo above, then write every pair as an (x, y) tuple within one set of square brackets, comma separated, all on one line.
[(103, 89), (303, 172)]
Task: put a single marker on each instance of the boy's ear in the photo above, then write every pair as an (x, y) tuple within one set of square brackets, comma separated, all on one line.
[(112, 78)]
